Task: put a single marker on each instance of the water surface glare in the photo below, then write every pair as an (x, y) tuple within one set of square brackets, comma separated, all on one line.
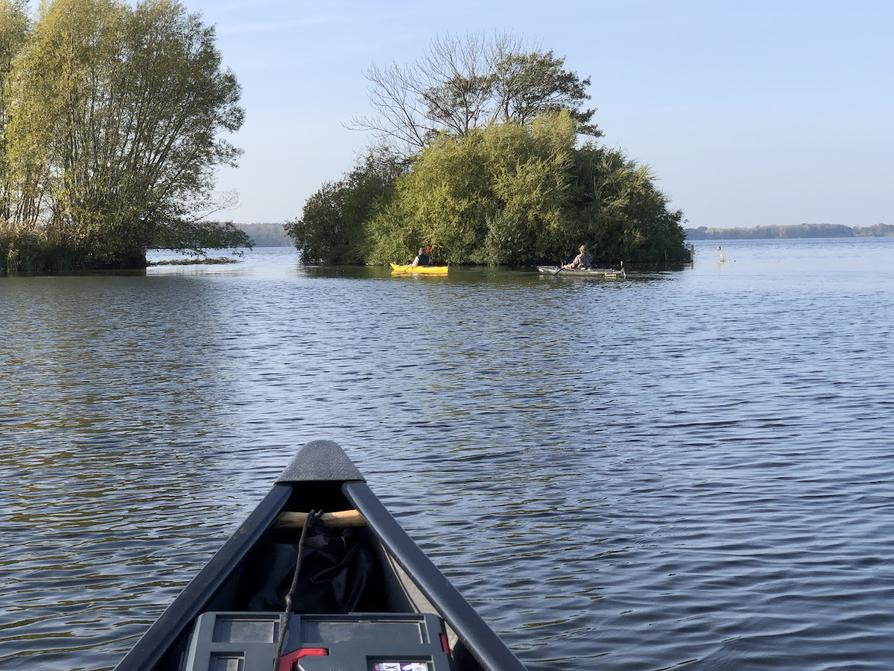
[(687, 470)]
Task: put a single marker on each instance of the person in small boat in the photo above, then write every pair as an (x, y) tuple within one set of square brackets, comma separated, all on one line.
[(423, 257), (582, 260)]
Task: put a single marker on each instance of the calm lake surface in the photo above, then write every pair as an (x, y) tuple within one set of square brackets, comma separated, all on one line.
[(687, 470)]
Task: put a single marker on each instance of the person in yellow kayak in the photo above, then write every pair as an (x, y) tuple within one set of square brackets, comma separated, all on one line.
[(582, 260), (423, 257)]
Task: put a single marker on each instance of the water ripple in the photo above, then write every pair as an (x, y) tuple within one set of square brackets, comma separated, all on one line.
[(682, 471)]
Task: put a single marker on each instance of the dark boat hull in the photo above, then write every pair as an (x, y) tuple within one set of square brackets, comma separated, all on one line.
[(322, 477)]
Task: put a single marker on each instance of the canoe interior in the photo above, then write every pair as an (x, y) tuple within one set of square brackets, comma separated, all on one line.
[(390, 590)]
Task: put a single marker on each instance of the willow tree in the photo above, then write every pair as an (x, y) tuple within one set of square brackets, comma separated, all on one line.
[(14, 27), (332, 228), (496, 195), (118, 117), (619, 210), (525, 193)]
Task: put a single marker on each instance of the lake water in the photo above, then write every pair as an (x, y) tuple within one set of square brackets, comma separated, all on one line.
[(688, 470)]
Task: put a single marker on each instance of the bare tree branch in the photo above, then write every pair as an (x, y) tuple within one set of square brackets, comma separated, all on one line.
[(463, 83)]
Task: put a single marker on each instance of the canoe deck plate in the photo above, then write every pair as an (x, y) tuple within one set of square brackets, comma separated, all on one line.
[(367, 642), (320, 461)]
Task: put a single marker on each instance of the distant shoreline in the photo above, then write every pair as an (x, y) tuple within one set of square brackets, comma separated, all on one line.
[(266, 234), (800, 231)]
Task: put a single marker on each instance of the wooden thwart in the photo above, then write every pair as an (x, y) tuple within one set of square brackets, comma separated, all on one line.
[(340, 518)]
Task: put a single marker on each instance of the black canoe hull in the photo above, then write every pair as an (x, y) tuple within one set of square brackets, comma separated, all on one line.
[(322, 477)]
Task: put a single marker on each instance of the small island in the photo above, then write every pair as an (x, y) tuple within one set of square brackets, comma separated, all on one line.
[(113, 119), (487, 153)]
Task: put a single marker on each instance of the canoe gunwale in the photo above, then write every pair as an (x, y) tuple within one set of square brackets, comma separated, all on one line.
[(152, 647), (480, 640), (325, 461)]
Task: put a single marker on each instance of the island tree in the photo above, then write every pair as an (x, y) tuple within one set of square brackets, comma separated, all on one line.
[(14, 29), (522, 194), (466, 83), (503, 166), (332, 229), (117, 117)]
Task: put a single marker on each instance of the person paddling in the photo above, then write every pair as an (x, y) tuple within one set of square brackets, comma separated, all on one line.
[(423, 257), (582, 260)]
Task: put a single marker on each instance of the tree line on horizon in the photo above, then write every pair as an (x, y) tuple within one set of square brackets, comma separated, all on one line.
[(266, 234), (794, 231), (113, 116), (486, 151)]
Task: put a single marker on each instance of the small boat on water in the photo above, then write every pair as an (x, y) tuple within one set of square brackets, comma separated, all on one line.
[(299, 589), (601, 273), (397, 269)]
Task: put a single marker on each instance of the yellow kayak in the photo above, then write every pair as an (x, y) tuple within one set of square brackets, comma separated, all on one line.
[(397, 269)]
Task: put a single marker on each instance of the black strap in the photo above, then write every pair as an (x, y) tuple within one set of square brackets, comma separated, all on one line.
[(313, 518)]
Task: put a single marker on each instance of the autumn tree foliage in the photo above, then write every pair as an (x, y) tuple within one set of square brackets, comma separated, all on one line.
[(114, 118)]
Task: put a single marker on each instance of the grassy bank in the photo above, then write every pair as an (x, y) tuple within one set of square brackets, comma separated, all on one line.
[(40, 251), (200, 261)]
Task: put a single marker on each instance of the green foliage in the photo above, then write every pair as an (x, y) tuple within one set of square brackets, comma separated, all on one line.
[(44, 250), (530, 177), (465, 84), (621, 214), (443, 200), (528, 84), (117, 117), (195, 237), (496, 176), (332, 227), (492, 196), (14, 29), (521, 194), (21, 252), (509, 193)]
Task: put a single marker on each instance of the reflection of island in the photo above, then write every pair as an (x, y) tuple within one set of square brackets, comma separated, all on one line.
[(802, 231)]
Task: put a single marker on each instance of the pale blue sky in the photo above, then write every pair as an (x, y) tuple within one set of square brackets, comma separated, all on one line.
[(750, 113)]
